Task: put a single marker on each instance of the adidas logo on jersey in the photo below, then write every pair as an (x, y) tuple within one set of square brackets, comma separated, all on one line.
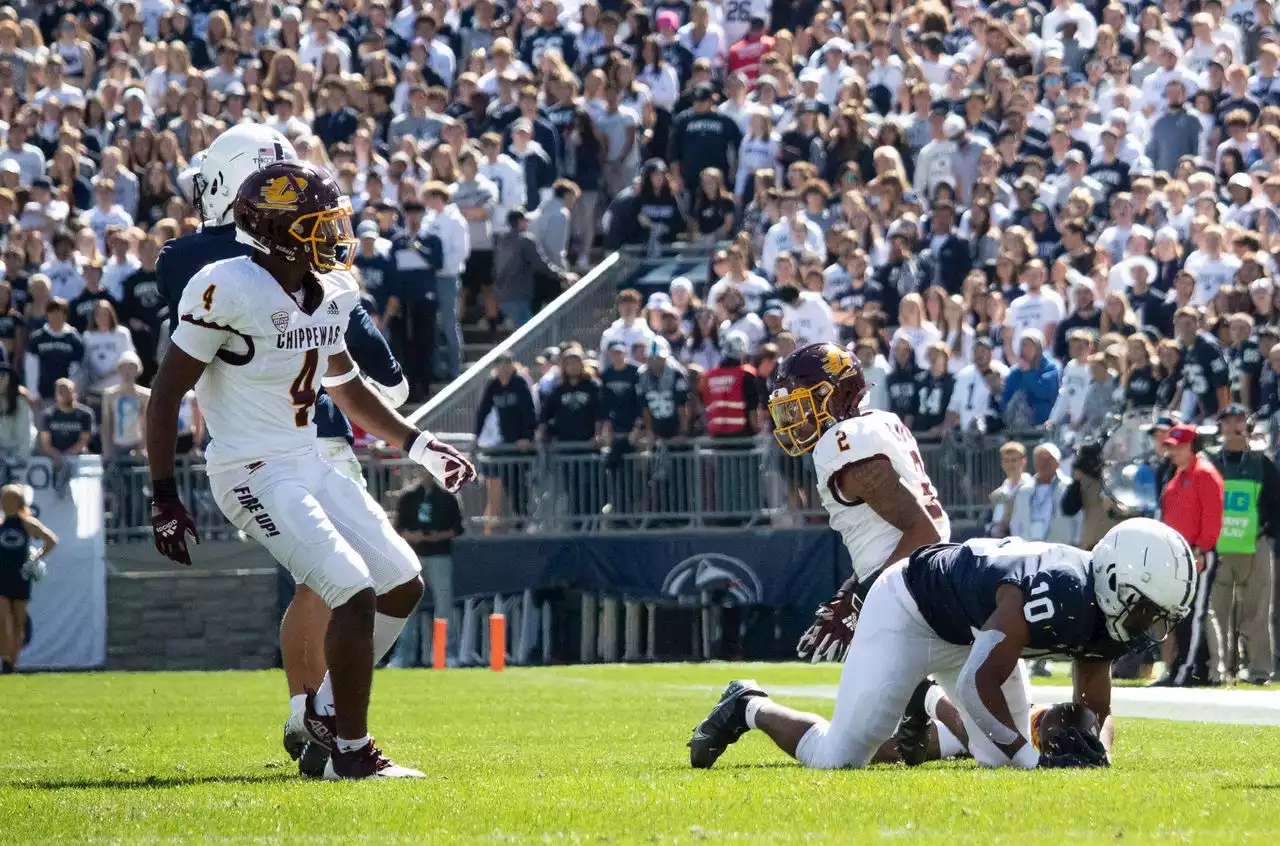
[(333, 308)]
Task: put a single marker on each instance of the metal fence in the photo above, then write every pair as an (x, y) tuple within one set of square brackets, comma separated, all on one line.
[(568, 488), (581, 312)]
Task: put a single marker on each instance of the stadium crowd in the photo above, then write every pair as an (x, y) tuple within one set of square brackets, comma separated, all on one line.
[(1018, 215)]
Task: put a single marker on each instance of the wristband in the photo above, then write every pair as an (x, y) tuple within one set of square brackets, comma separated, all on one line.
[(340, 379), (1026, 758), (407, 446), (164, 489)]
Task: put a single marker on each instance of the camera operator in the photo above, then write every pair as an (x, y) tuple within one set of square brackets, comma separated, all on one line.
[(1087, 495), (1192, 503), (1251, 516)]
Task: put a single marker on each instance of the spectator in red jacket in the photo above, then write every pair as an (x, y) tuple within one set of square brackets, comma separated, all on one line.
[(1192, 504)]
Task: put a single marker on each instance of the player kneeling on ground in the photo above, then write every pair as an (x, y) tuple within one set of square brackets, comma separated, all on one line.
[(964, 614), (255, 335)]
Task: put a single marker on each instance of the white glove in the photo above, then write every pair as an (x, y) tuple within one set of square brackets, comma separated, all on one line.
[(449, 467)]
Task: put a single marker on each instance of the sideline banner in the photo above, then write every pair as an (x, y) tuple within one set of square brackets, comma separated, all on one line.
[(787, 568), (68, 607), (784, 569)]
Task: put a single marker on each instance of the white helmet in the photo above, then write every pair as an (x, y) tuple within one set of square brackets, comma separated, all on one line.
[(1138, 562), (229, 160)]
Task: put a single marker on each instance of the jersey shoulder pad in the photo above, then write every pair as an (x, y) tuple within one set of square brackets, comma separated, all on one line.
[(857, 439), (343, 284), (1059, 601), (216, 295)]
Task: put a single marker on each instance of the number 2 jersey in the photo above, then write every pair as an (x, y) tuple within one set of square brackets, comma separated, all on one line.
[(955, 587), (872, 434), (266, 355)]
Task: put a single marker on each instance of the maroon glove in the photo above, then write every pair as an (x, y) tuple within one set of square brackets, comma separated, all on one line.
[(170, 523), (829, 636)]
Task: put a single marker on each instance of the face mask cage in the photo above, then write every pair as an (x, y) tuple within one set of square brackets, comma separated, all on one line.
[(798, 416), (328, 236)]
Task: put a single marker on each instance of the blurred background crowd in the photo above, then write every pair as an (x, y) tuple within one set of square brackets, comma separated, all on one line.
[(1019, 215)]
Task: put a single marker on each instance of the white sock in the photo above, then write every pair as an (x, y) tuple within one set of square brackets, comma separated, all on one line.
[(948, 744), (345, 745), (753, 705), (386, 630), (324, 697), (931, 700), (298, 704)]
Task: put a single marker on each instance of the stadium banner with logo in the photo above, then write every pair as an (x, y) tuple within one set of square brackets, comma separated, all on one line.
[(68, 609), (794, 569), (786, 568)]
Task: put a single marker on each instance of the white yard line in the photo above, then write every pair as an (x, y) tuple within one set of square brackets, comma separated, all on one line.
[(1192, 705)]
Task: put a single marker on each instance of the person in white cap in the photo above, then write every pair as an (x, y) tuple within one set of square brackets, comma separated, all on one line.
[(124, 406)]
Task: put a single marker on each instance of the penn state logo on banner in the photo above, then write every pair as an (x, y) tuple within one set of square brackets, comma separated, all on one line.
[(714, 571)]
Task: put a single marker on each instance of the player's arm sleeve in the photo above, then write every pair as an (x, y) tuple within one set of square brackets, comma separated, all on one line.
[(208, 315), (992, 658), (370, 349)]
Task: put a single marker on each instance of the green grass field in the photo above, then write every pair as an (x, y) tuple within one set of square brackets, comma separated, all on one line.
[(571, 754)]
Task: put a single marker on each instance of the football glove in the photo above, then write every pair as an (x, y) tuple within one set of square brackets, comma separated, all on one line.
[(171, 525), (829, 636), (449, 467), (1074, 748)]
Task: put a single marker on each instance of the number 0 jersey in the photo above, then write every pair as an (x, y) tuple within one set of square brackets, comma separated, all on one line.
[(955, 587), (870, 539), (266, 355)]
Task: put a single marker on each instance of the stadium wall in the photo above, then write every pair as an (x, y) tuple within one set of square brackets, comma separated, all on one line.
[(221, 614)]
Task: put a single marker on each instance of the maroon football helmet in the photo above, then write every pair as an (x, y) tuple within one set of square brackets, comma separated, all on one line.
[(296, 212), (815, 387)]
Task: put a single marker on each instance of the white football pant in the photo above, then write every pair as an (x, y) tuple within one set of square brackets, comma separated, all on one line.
[(322, 526), (893, 650)]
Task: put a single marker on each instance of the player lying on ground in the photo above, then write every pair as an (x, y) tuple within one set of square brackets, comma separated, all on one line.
[(231, 159), (964, 614), (254, 336)]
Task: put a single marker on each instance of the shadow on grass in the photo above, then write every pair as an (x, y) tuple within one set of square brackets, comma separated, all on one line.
[(148, 782)]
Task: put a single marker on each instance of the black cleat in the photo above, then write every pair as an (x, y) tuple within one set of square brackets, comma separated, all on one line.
[(724, 725), (312, 761), (913, 729)]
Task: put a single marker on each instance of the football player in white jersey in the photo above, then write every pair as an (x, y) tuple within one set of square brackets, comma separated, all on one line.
[(873, 484), (870, 476), (255, 335)]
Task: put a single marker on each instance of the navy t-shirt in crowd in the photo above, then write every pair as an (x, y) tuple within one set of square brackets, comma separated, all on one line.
[(57, 353), (66, 427), (620, 400), (571, 411), (664, 394)]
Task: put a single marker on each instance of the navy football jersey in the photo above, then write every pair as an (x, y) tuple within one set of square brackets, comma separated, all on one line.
[(955, 587), (181, 258)]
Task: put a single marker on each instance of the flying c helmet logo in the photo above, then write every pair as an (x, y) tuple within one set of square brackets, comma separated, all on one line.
[(836, 361), (283, 192), (714, 571)]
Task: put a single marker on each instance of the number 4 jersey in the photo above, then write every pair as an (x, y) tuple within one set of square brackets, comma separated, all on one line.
[(872, 434), (266, 354)]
